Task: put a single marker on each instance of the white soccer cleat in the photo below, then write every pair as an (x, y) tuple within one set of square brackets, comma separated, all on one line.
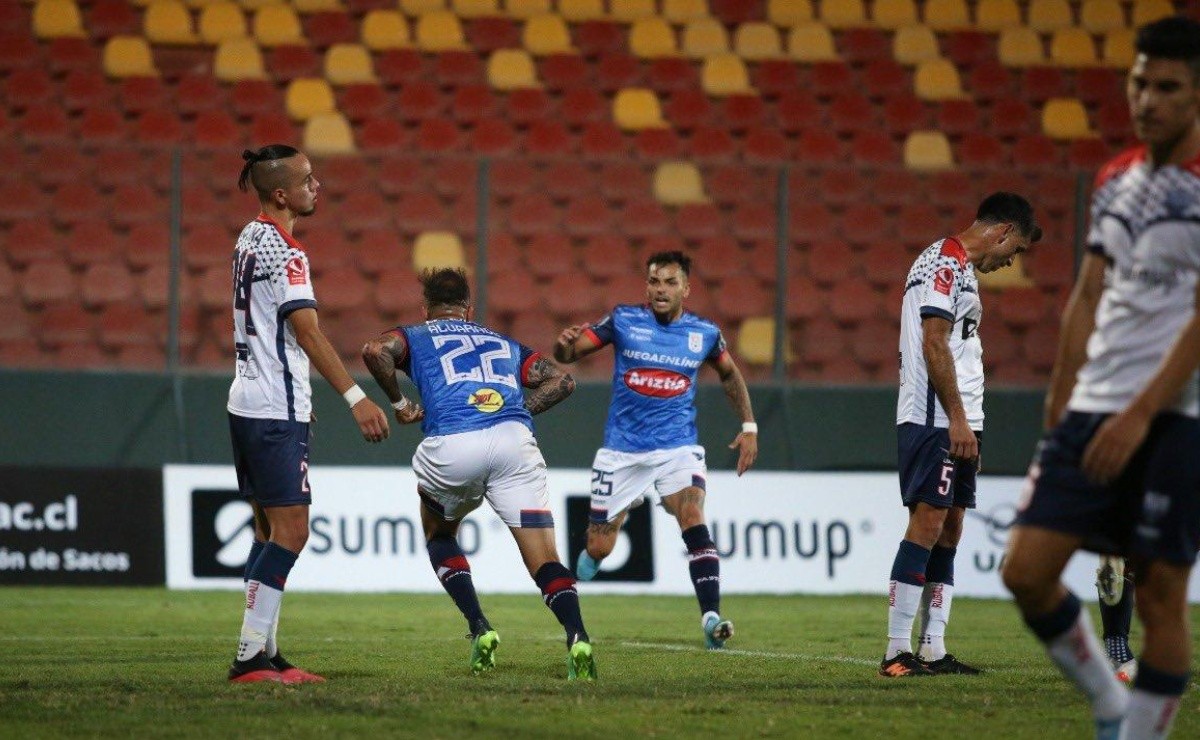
[(1127, 671)]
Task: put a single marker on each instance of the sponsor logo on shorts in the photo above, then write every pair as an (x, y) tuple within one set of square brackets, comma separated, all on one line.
[(656, 382), (486, 400)]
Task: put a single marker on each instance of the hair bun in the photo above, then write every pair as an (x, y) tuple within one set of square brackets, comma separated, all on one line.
[(250, 156)]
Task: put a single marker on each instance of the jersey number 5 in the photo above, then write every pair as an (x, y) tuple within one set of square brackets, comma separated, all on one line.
[(485, 371)]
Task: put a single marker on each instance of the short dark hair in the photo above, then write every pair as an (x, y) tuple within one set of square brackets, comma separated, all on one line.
[(254, 176), (445, 286), (673, 257), (1009, 208), (1175, 37)]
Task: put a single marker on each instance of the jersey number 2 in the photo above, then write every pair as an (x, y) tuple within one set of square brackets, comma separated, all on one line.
[(485, 372)]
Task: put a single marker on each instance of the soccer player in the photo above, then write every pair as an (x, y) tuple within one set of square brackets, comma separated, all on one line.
[(939, 417), (1114, 586), (1117, 473), (650, 437), (275, 336), (479, 444)]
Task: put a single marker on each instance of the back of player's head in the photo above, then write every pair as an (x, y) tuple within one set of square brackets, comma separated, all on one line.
[(673, 257), (1175, 37), (264, 170), (445, 286), (1009, 208)]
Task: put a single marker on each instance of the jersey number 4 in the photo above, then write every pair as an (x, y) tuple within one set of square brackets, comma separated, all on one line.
[(470, 344), (243, 278)]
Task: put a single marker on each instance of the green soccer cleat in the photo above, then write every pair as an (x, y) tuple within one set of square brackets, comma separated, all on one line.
[(580, 662), (483, 651)]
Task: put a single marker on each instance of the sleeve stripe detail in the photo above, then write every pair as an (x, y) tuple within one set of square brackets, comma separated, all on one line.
[(527, 365), (927, 311)]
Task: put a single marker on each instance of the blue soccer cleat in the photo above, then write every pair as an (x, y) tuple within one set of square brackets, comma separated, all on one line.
[(587, 567), (716, 630)]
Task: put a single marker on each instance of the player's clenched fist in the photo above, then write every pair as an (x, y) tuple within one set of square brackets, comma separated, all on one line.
[(371, 420), (564, 347)]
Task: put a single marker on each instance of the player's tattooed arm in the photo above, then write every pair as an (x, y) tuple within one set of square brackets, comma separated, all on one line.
[(734, 385), (604, 529), (382, 355), (549, 386)]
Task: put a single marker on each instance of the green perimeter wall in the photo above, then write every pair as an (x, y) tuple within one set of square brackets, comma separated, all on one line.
[(129, 420)]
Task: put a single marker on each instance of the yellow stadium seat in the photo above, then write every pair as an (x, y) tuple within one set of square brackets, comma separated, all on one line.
[(128, 56), (927, 151), (1117, 48), (628, 11), (328, 134), (54, 19), (578, 11), (168, 22), (476, 8), (682, 11), (435, 249), (996, 15), (1072, 47), (892, 14), (914, 44), (238, 59), (277, 25), (347, 64), (704, 38), (725, 74), (511, 69), (843, 14), (788, 13), (547, 34), (317, 6), (1049, 15), (811, 42), (440, 31), (1065, 119), (252, 5), (938, 79), (1021, 47), (416, 8), (307, 97), (677, 183), (637, 108), (385, 29), (1147, 11), (1098, 16), (947, 15), (755, 41), (650, 38), (221, 21), (756, 341), (525, 9), (200, 4)]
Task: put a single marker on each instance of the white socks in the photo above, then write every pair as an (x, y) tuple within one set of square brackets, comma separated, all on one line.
[(1080, 656), (903, 601), (1150, 716), (935, 615), (262, 610)]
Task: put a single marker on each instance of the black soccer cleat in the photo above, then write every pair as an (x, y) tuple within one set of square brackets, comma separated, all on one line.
[(255, 669), (949, 665), (903, 665)]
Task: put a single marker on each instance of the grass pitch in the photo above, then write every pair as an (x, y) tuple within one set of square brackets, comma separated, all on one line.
[(151, 663)]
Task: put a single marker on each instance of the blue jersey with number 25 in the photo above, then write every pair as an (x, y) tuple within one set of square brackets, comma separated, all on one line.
[(469, 376)]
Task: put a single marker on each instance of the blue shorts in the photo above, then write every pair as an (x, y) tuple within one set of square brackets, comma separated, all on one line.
[(271, 458), (927, 473), (1151, 511)]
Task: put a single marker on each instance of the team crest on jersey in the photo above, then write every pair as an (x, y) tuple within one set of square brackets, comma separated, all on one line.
[(486, 400), (695, 341), (656, 382), (296, 271), (943, 279)]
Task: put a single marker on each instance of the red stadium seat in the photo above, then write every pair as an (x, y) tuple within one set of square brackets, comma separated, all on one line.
[(582, 105), (489, 34), (205, 246), (326, 28), (710, 143), (159, 127), (776, 77), (527, 105), (494, 137), (740, 297), (343, 290), (103, 126), (532, 213), (644, 219), (362, 100), (1112, 121), (397, 67), (977, 149), (769, 145), (289, 62), (1040, 346), (513, 293), (657, 143), (874, 345), (249, 98), (687, 109), (148, 245), (363, 210), (1096, 85), (742, 112), (1039, 84), (819, 147), (852, 302), (134, 204), (1088, 154), (382, 135), (830, 78), (548, 138), (505, 255), (437, 136), (751, 221), (67, 326), (60, 165), (1036, 151), (885, 263), (417, 212), (883, 77), (958, 117), (420, 101), (398, 293), (141, 94), (78, 202), (1011, 117), (571, 293), (864, 223), (26, 87), (697, 221), (599, 38), (549, 255), (195, 93), (810, 222), (48, 281), (990, 80), (564, 72), (860, 46), (893, 188), (821, 341), (617, 71), (568, 179), (33, 239), (828, 261), (19, 50), (607, 256), (1001, 346), (874, 148), (83, 90), (969, 49), (919, 224), (904, 113), (669, 74), (45, 123), (624, 180), (510, 177), (473, 103), (602, 139), (735, 183), (113, 18), (1021, 308), (14, 323), (101, 285)]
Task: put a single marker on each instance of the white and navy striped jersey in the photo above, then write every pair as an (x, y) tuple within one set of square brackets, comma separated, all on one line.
[(271, 279), (1146, 225), (941, 283)]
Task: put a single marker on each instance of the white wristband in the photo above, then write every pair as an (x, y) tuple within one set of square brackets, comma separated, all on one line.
[(353, 395), (401, 404), (749, 427)]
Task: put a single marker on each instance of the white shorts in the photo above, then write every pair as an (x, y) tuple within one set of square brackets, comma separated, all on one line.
[(621, 480), (502, 463)]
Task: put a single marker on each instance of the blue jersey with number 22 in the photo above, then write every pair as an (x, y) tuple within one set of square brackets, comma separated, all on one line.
[(469, 376)]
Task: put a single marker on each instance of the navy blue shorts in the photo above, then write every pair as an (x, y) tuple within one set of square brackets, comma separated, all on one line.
[(1151, 511), (271, 458), (927, 474)]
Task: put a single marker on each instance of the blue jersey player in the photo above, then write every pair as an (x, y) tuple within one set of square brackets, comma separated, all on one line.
[(650, 436), (478, 445)]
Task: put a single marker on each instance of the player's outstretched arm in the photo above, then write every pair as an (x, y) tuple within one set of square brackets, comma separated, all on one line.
[(549, 386), (574, 343), (370, 418), (746, 442), (935, 346), (1122, 434), (382, 356), (1076, 326)]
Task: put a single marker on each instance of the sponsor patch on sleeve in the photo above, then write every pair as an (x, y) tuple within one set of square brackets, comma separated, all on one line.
[(943, 280), (297, 271)]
